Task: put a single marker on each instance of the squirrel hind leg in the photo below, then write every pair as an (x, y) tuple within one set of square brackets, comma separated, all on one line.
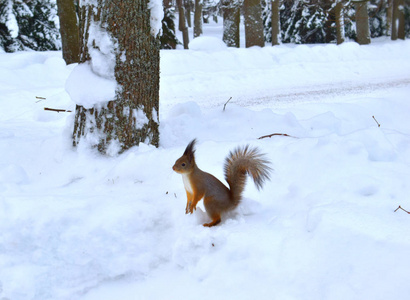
[(215, 221)]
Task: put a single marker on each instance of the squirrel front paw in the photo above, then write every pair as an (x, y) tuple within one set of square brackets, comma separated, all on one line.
[(190, 208)]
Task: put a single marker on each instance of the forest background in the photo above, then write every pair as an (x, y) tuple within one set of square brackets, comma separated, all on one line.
[(34, 24)]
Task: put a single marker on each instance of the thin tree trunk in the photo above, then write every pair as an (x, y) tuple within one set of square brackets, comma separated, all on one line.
[(275, 22), (389, 17), (231, 22), (132, 116), (198, 18), (253, 23), (398, 20), (182, 24), (69, 31), (362, 22), (187, 6), (340, 24)]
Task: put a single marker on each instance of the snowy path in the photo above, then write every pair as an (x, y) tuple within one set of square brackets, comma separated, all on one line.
[(318, 93)]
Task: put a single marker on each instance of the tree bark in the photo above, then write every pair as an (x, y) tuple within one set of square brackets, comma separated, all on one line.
[(182, 24), (231, 22), (340, 24), (275, 22), (198, 18), (362, 22), (398, 21), (132, 117), (69, 31), (253, 23), (389, 17), (187, 6)]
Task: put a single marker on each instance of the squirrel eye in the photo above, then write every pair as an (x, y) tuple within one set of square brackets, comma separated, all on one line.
[(183, 164)]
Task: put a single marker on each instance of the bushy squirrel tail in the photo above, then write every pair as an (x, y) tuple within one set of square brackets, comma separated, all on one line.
[(241, 162)]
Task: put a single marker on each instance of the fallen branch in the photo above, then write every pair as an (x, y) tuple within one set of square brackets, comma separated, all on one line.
[(378, 125), (227, 103), (56, 110), (273, 134), (402, 209)]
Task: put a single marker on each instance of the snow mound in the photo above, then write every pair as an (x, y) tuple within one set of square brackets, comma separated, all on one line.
[(207, 43), (12, 173), (87, 89)]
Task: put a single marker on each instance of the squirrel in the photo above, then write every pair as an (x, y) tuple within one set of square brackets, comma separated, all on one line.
[(218, 198)]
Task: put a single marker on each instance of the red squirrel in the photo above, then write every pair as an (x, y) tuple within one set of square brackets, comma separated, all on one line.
[(217, 197)]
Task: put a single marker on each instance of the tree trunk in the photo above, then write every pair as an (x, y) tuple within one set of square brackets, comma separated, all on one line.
[(132, 116), (389, 17), (398, 26), (362, 22), (182, 24), (275, 22), (340, 24), (231, 21), (401, 31), (187, 6), (253, 23), (198, 18), (69, 31)]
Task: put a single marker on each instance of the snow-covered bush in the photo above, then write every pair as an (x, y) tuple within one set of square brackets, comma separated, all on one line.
[(29, 24)]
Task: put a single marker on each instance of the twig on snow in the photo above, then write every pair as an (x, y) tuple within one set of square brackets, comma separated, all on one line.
[(40, 99), (273, 134), (378, 125), (56, 110), (402, 209), (227, 103)]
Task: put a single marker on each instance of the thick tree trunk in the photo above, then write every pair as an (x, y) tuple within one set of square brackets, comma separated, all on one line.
[(231, 21), (362, 22), (253, 23), (275, 22), (69, 31), (132, 116)]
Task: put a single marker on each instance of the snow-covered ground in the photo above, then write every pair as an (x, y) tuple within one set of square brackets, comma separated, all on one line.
[(75, 225)]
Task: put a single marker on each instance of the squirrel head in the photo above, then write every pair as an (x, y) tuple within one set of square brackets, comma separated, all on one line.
[(185, 164)]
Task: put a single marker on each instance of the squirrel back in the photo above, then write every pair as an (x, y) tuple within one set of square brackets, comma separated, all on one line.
[(217, 197)]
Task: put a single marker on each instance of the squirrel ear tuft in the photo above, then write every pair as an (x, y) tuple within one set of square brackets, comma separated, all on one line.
[(190, 149)]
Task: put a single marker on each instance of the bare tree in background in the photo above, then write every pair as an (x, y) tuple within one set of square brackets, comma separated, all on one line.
[(198, 18), (275, 5), (231, 20), (69, 30), (183, 23), (253, 23), (362, 22)]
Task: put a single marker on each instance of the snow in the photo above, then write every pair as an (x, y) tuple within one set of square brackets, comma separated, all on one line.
[(209, 43), (11, 22), (86, 88), (156, 16), (76, 225), (93, 83)]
